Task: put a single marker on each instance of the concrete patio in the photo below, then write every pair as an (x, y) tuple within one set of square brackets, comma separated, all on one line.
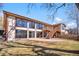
[(43, 39)]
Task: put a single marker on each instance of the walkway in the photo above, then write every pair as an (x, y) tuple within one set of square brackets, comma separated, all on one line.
[(49, 40)]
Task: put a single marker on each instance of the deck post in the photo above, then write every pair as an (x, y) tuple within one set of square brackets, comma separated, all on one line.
[(35, 31), (27, 29)]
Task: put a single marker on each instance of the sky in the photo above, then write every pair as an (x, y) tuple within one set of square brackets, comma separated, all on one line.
[(41, 14)]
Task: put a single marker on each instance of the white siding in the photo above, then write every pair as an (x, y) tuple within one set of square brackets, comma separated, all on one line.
[(11, 24), (1, 20)]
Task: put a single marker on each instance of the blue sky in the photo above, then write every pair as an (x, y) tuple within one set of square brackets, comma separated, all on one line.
[(41, 13)]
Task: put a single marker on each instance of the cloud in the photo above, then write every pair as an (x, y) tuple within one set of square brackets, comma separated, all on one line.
[(71, 25), (58, 19)]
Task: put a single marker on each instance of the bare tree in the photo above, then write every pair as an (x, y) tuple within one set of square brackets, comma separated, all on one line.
[(77, 20), (52, 8), (75, 16)]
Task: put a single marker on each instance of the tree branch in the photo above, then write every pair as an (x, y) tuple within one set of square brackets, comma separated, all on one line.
[(53, 15)]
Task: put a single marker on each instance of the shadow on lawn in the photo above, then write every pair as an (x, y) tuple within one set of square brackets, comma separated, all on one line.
[(42, 51)]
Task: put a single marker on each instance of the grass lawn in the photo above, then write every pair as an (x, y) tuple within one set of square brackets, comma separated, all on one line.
[(39, 48)]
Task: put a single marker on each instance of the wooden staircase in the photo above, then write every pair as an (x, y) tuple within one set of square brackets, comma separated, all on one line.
[(52, 33)]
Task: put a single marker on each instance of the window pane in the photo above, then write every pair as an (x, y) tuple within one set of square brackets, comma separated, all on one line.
[(21, 23), (21, 34), (31, 24), (39, 26)]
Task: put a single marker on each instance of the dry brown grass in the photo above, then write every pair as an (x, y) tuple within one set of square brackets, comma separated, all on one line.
[(30, 47)]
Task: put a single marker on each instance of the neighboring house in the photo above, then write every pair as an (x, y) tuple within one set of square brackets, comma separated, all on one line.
[(17, 26)]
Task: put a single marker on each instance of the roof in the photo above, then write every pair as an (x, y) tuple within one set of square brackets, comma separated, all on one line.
[(27, 18)]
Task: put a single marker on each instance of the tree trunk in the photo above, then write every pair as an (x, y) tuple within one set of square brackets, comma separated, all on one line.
[(77, 21)]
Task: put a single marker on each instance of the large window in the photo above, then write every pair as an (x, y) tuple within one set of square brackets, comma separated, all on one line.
[(31, 34), (21, 23), (39, 26), (31, 24), (21, 34)]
